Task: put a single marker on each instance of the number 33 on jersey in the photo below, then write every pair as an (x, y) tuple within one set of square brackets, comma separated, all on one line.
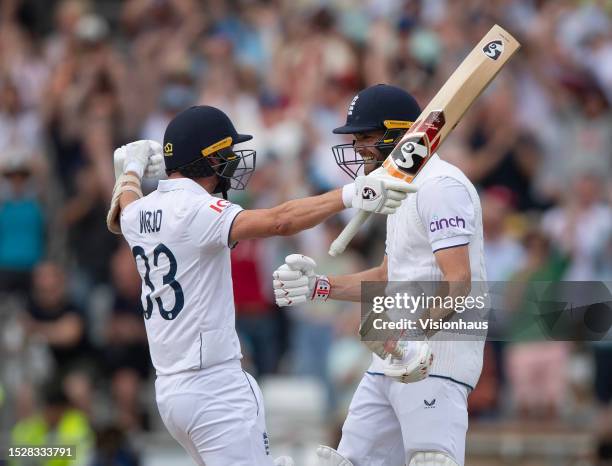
[(179, 237)]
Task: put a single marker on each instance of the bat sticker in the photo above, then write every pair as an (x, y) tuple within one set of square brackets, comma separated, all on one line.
[(411, 156), (494, 49)]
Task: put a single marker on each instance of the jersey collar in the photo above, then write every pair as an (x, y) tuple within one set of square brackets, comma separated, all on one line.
[(180, 183)]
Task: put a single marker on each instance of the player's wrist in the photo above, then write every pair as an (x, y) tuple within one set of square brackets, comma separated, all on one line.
[(321, 289)]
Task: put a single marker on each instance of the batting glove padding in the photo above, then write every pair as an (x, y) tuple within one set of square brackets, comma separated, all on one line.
[(377, 192), (144, 157), (413, 365), (295, 282)]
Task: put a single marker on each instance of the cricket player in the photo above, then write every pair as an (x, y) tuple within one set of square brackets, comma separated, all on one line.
[(435, 235), (181, 237)]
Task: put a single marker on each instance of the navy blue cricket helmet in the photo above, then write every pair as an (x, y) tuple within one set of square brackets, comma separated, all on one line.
[(199, 142), (381, 107)]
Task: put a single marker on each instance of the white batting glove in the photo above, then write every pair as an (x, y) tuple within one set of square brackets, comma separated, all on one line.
[(412, 364), (295, 282), (142, 157), (377, 192)]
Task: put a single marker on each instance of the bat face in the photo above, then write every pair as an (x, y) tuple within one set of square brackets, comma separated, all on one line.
[(448, 106), (416, 147)]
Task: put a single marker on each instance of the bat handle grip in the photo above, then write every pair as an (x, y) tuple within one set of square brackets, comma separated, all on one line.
[(344, 238)]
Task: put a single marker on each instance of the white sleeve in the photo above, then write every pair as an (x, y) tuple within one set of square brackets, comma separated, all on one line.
[(212, 222), (447, 212)]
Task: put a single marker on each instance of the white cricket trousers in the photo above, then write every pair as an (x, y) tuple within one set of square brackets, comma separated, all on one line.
[(216, 414), (389, 421)]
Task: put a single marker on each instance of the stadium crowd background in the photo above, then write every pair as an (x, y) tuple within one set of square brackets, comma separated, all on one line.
[(78, 79)]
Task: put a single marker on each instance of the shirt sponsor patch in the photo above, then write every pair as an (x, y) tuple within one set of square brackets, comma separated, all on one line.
[(441, 223), (220, 205)]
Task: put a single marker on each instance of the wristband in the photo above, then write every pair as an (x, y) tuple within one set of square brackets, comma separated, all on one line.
[(322, 288)]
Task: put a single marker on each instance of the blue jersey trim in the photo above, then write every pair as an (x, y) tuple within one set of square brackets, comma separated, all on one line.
[(432, 375), (450, 247)]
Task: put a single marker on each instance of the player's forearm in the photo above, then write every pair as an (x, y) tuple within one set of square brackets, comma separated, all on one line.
[(348, 287), (456, 285), (296, 215), (127, 197)]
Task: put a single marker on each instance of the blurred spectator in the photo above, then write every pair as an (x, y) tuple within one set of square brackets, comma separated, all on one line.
[(22, 226), (56, 424), (62, 41), (582, 226), (90, 242), (484, 401), (503, 254), (125, 350), (86, 105), (19, 126), (255, 313), (113, 449), (260, 324), (52, 316), (537, 369), (314, 326), (177, 93)]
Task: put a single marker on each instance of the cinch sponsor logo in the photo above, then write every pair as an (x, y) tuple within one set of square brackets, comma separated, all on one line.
[(438, 224)]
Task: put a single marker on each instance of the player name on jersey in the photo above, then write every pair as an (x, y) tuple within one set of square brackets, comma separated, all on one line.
[(150, 221)]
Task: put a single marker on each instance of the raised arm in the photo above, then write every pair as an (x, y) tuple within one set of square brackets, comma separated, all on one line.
[(374, 193), (288, 218), (132, 162)]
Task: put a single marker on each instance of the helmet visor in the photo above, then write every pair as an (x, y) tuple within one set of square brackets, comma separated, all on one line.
[(350, 161), (234, 166)]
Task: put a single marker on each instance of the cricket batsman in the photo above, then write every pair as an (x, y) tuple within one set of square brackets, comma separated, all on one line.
[(181, 236), (397, 415)]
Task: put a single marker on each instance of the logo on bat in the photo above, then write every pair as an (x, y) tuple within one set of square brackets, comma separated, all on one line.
[(493, 49), (410, 156), (368, 194)]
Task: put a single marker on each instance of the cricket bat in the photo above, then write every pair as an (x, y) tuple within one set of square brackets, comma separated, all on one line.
[(442, 114)]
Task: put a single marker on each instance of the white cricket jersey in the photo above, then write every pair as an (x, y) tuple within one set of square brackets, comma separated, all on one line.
[(445, 212), (179, 236)]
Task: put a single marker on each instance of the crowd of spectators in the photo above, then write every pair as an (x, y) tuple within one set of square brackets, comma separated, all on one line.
[(78, 78)]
